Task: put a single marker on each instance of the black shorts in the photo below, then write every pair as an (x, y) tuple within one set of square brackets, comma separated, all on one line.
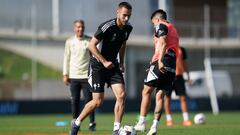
[(159, 80), (99, 75), (178, 86)]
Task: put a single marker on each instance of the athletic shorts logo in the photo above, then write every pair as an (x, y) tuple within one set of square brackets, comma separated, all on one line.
[(96, 85), (151, 75)]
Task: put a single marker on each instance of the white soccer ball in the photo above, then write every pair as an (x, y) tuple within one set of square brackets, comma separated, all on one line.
[(199, 118), (127, 130)]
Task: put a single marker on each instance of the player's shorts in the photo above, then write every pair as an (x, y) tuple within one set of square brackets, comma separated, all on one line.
[(178, 86), (159, 80), (99, 75)]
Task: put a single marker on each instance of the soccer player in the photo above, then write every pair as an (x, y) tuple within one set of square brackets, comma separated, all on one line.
[(179, 88), (108, 41), (161, 72), (75, 70)]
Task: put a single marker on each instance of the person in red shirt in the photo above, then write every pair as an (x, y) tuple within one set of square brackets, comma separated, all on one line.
[(161, 72), (179, 88)]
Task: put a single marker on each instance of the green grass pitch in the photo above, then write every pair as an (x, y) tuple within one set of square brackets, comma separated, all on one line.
[(226, 123)]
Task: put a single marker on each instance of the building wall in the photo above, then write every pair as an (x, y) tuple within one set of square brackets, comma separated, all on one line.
[(189, 17), (17, 15)]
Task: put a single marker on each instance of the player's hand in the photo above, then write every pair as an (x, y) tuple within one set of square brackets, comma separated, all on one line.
[(161, 67), (108, 64), (122, 68), (189, 82), (66, 80)]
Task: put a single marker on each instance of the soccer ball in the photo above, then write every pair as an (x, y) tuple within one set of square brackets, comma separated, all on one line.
[(199, 118), (127, 130)]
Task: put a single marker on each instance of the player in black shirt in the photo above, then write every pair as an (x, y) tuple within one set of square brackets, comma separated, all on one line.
[(108, 41)]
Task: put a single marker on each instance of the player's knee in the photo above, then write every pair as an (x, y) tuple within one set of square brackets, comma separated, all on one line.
[(160, 94), (121, 97), (146, 92), (98, 102), (183, 98)]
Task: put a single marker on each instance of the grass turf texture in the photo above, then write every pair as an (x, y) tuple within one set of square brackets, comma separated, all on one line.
[(226, 123), (13, 66)]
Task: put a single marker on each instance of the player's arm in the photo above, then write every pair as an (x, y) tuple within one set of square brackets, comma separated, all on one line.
[(66, 62), (122, 56), (161, 43), (161, 35), (185, 66), (93, 49)]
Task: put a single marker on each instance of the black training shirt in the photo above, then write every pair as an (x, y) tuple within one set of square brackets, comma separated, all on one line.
[(112, 37)]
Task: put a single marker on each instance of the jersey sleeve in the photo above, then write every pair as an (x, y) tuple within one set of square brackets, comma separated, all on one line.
[(161, 30), (99, 33), (184, 53), (129, 31)]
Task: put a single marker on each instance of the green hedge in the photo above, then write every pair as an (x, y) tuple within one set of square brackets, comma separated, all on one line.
[(16, 67)]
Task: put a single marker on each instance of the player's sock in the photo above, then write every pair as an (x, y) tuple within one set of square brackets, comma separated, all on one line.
[(77, 122), (155, 123), (141, 119), (185, 116), (116, 126), (168, 117)]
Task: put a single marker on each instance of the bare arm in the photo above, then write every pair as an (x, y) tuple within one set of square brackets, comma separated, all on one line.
[(122, 56), (185, 66), (161, 43), (93, 49)]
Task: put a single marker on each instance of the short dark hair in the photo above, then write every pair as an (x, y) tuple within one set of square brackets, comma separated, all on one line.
[(125, 4), (162, 14), (79, 21)]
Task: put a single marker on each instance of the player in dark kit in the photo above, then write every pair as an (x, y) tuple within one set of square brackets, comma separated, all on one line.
[(109, 41)]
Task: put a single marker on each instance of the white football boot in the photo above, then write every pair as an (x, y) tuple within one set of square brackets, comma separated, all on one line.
[(140, 127), (152, 131)]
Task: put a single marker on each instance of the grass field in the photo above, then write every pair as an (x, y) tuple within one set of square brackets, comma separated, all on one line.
[(226, 123)]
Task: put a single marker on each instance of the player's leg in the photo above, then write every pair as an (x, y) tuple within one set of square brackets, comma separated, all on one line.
[(119, 92), (183, 101), (88, 97), (149, 85), (164, 84), (145, 105), (157, 111), (186, 120), (146, 100), (88, 108), (181, 92), (91, 105), (168, 112), (75, 88), (167, 107)]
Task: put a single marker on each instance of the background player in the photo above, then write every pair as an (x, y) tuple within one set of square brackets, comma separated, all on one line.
[(75, 69), (179, 88), (161, 72), (109, 40)]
